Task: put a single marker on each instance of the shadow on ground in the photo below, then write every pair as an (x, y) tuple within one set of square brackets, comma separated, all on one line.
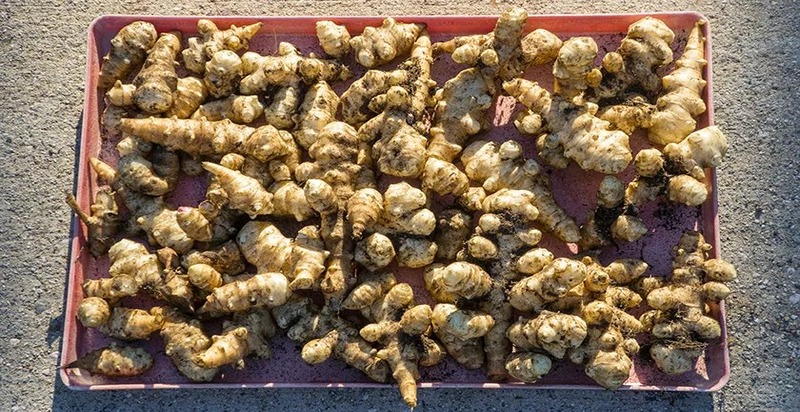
[(483, 400)]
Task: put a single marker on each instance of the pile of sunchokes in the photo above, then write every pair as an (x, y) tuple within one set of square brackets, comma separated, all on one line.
[(330, 184)]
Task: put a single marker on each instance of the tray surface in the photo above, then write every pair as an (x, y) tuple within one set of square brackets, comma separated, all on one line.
[(574, 189)]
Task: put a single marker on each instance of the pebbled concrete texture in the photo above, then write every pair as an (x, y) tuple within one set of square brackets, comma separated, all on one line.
[(756, 53)]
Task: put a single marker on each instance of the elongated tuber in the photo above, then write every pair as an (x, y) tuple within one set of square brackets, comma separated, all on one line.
[(681, 102), (318, 109), (222, 73), (191, 92), (102, 224), (239, 109), (355, 100), (547, 285), (260, 328), (459, 331), (244, 193), (157, 82), (131, 324), (287, 69), (555, 333), (128, 50), (307, 259), (504, 52), (115, 361), (265, 289), (460, 113), (228, 348), (149, 170)]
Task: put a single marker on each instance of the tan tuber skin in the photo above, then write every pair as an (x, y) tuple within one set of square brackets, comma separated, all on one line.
[(228, 348), (260, 328), (244, 193), (317, 110), (504, 167), (239, 109), (93, 312), (203, 138), (612, 219), (288, 69), (504, 52), (102, 224), (574, 131), (397, 127), (547, 285), (339, 168), (334, 39), (157, 82), (679, 320), (398, 148), (307, 259), (355, 100), (681, 101), (396, 324), (645, 49), (149, 170), (115, 361), (261, 290), (131, 324), (128, 50), (554, 333), (212, 40), (183, 339), (602, 301), (460, 113), (459, 331), (225, 259), (308, 324), (189, 95), (679, 171), (377, 46)]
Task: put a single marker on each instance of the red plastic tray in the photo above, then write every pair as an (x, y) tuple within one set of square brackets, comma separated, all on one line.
[(574, 189)]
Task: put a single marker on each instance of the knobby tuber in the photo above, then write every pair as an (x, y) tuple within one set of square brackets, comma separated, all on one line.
[(128, 50), (680, 320), (115, 361)]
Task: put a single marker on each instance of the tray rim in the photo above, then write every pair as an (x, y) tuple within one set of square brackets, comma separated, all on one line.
[(709, 209)]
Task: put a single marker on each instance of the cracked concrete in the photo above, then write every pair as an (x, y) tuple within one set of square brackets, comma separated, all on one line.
[(756, 53)]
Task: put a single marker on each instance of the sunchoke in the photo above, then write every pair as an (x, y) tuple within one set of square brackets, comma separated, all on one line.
[(128, 50), (157, 82), (504, 52), (681, 101), (102, 224), (499, 167), (334, 39), (679, 320), (239, 109), (115, 361), (212, 40), (574, 130), (377, 46), (644, 49)]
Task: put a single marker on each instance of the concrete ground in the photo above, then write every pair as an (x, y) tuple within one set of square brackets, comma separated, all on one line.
[(756, 73)]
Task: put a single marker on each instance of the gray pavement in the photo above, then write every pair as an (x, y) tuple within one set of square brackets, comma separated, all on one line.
[(756, 73)]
